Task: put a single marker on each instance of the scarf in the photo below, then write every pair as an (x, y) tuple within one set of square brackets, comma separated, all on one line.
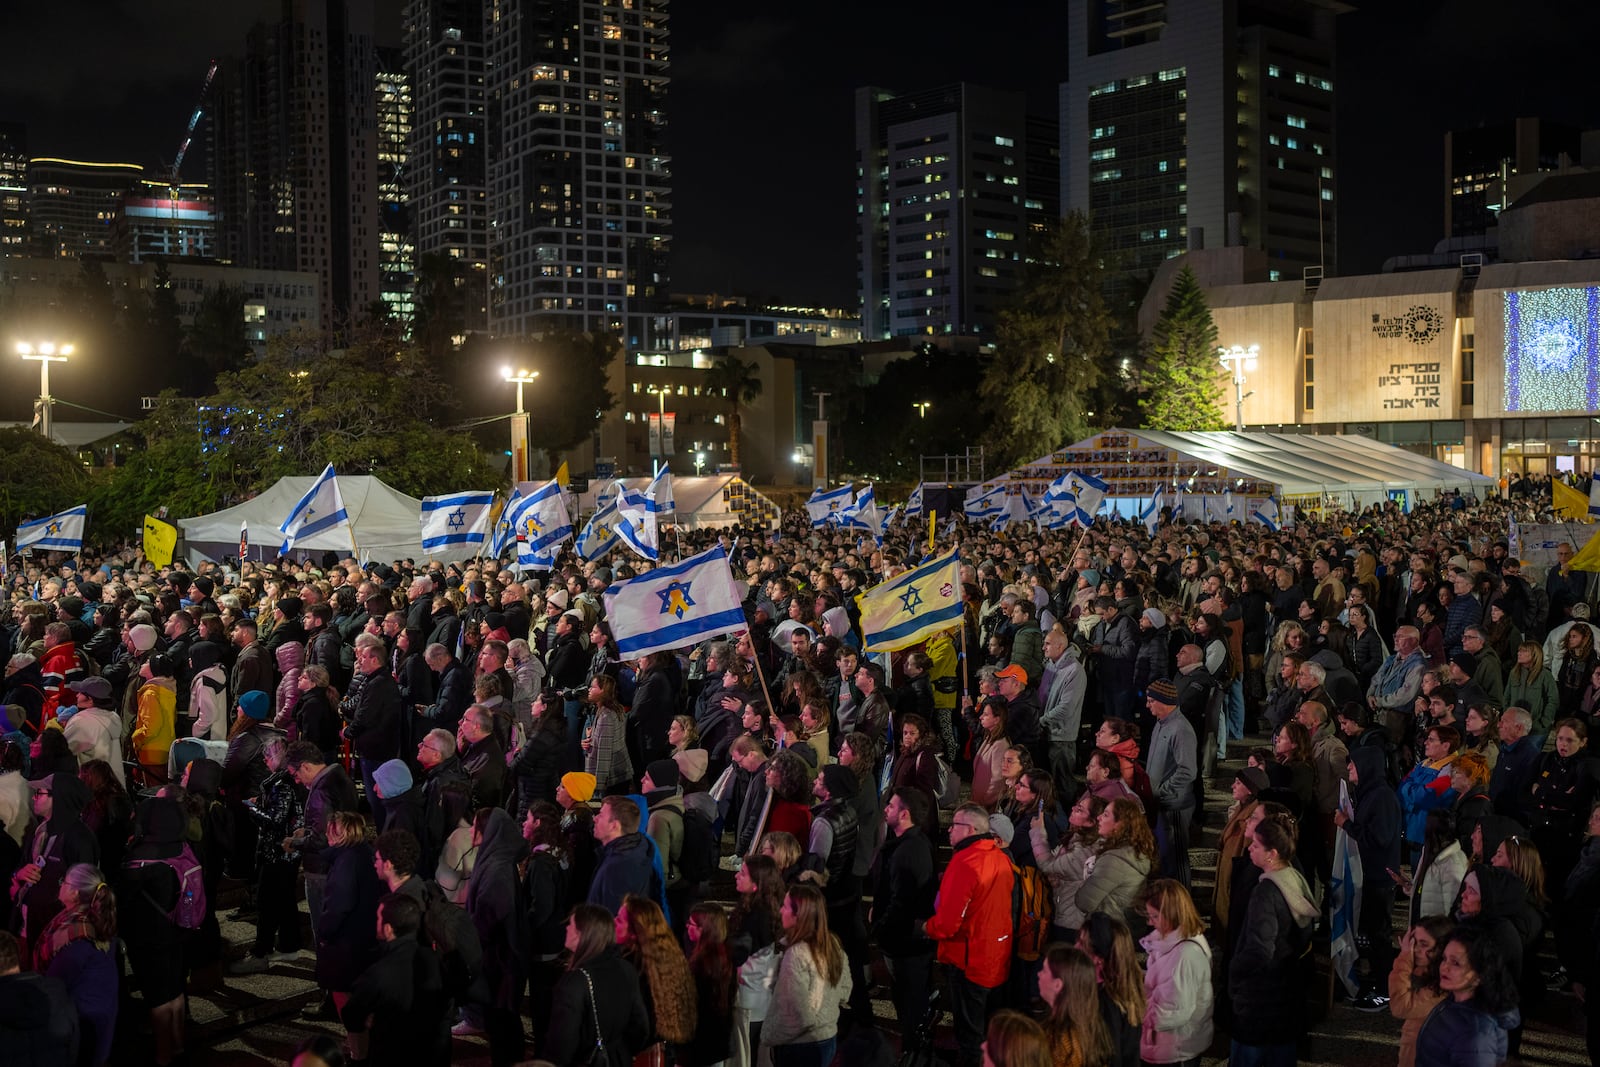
[(67, 926), (1127, 751)]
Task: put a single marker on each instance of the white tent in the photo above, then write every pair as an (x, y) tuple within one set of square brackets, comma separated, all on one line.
[(709, 501), (1342, 469), (385, 523)]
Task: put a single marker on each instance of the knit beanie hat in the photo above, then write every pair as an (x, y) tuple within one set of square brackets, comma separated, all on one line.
[(392, 778), (663, 774), (580, 785), (256, 704), (143, 637)]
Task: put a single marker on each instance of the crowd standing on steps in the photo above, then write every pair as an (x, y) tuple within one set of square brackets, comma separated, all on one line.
[(499, 827)]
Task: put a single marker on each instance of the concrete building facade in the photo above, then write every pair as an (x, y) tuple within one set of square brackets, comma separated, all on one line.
[(73, 205)]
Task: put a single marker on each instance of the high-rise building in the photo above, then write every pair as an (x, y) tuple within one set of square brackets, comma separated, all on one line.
[(397, 254), (160, 220), (13, 188), (1480, 163), (446, 175), (949, 184), (73, 205), (1192, 123), (579, 176), (294, 151)]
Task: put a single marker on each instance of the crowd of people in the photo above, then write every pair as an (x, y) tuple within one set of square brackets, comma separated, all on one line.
[(496, 826)]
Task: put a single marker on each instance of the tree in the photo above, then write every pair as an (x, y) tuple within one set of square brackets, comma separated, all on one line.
[(1184, 381), (572, 393), (216, 342), (37, 477), (1051, 344), (892, 434), (740, 383)]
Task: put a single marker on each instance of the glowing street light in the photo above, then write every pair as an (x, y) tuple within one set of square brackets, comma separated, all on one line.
[(46, 353), (922, 407), (1238, 359), (519, 424)]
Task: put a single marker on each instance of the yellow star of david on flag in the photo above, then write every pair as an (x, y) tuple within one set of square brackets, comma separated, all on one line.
[(912, 607)]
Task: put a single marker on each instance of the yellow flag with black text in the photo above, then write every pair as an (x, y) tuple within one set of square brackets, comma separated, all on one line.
[(160, 539)]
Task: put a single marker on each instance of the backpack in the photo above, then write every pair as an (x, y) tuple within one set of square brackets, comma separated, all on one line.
[(702, 848), (450, 929), (190, 910), (1032, 909), (949, 785)]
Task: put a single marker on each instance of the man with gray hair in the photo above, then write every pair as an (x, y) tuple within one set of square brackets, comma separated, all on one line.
[(1394, 688), (482, 756), (377, 726), (454, 692), (446, 795), (1513, 771)]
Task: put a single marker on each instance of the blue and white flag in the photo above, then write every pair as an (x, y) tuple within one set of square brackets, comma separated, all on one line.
[(503, 533), (540, 522), (62, 532), (892, 517), (1594, 499), (636, 523), (599, 534), (986, 505), (1090, 492), (1230, 509), (1344, 899), (674, 606), (824, 505), (914, 503), (320, 510), (1151, 515), (1514, 538), (864, 514), (1177, 502), (455, 521), (659, 497), (1267, 514)]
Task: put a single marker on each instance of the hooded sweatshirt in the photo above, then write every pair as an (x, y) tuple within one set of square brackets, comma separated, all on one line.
[(208, 691), (57, 845), (1266, 976), (1505, 913), (497, 913), (1378, 828)]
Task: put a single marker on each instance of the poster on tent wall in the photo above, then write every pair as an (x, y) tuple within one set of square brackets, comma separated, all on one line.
[(1133, 467)]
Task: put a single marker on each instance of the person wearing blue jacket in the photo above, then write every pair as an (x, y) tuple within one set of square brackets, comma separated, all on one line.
[(1376, 831), (1427, 787), (628, 861), (1468, 1028)]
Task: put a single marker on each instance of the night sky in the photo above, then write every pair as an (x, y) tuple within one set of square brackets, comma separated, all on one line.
[(761, 106)]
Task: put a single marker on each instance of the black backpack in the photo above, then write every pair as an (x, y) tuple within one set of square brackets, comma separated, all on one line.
[(455, 939), (701, 848)]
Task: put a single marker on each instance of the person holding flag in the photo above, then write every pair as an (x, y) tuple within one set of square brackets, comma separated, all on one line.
[(62, 532)]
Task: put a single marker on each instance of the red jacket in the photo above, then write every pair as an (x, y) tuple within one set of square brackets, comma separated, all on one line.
[(790, 817), (59, 666), (972, 916)]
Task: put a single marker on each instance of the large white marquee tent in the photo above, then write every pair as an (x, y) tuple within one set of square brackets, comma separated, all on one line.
[(384, 521)]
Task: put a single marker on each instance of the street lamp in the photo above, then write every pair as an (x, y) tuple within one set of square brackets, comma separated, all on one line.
[(46, 353), (519, 424), (699, 462), (1238, 359), (922, 407)]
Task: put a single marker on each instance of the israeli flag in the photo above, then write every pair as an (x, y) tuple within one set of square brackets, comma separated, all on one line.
[(892, 517), (659, 497), (454, 521), (540, 523), (320, 510), (62, 532), (636, 523), (503, 532), (1594, 499), (986, 505), (864, 514), (1151, 515), (914, 503), (1090, 491), (675, 606), (599, 534), (1267, 514), (1229, 508), (824, 505)]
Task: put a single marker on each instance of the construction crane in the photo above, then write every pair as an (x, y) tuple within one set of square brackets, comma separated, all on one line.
[(188, 136)]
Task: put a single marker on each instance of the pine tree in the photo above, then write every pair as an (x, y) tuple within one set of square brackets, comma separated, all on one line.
[(1184, 383), (1050, 346)]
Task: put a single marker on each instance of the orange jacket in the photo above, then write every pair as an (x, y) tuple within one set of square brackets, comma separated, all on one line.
[(972, 914)]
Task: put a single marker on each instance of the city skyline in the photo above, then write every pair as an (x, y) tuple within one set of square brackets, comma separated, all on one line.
[(760, 110)]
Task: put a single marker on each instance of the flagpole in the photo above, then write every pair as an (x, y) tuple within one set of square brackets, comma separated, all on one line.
[(761, 675)]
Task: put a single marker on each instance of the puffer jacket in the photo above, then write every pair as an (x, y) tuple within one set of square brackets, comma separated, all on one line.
[(1441, 881), (1427, 787), (1464, 1034), (1114, 884), (291, 658), (1268, 971), (1178, 1003), (972, 915), (1066, 868)]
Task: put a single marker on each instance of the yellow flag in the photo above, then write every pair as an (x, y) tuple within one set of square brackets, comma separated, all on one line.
[(1588, 557), (160, 538), (932, 529), (563, 476), (1568, 502)]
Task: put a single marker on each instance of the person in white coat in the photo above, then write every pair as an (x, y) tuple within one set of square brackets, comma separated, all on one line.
[(1177, 979), (94, 730), (208, 692)]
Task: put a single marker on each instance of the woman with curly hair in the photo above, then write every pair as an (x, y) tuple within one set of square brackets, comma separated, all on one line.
[(665, 982), (1073, 1024), (1469, 1026), (813, 981), (789, 781), (1123, 857)]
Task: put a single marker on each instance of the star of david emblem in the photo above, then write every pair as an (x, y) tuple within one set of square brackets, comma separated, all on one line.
[(531, 525), (911, 599), (53, 528), (457, 519), (833, 505), (310, 511), (603, 531), (675, 599)]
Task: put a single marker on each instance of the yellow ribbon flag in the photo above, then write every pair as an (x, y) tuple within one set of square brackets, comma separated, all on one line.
[(160, 539), (563, 476), (1568, 502), (1588, 557)]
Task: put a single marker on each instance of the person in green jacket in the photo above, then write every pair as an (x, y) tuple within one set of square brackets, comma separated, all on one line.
[(1530, 685)]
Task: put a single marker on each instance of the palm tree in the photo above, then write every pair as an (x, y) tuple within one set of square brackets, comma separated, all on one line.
[(740, 383)]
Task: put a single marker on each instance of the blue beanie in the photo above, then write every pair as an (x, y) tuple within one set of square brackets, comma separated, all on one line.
[(256, 704), (392, 779)]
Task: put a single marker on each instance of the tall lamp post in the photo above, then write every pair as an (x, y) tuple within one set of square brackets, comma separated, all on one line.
[(1239, 359), (922, 407), (46, 353), (658, 446), (519, 424)]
